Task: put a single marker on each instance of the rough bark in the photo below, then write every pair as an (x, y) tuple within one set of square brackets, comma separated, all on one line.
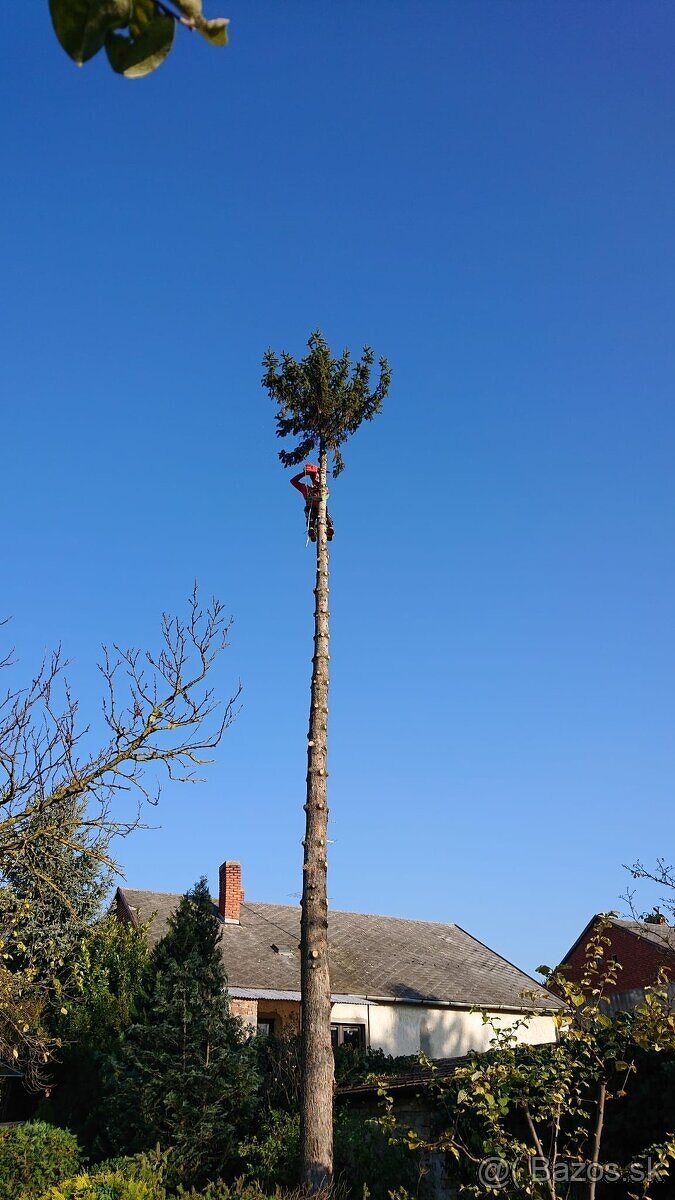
[(317, 1053)]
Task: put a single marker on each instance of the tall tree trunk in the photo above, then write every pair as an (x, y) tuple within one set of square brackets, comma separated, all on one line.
[(317, 1053)]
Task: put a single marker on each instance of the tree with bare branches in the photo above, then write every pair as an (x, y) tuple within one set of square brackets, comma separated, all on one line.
[(321, 401), (663, 876), (63, 802)]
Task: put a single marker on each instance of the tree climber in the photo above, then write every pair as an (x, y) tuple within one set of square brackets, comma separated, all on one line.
[(312, 494)]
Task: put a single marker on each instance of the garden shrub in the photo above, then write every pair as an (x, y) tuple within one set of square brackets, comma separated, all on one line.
[(356, 1066), (244, 1189), (109, 1185), (279, 1065), (150, 1166), (239, 1190), (272, 1159), (35, 1156), (366, 1160)]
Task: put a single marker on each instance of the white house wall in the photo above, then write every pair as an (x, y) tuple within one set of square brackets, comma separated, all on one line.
[(438, 1032)]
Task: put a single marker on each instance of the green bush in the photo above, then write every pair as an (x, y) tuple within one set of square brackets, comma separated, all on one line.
[(241, 1189), (272, 1159), (365, 1159), (151, 1166), (354, 1066), (279, 1066), (33, 1157), (109, 1185)]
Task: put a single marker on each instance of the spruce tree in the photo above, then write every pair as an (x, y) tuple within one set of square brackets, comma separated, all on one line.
[(186, 1076), (321, 401)]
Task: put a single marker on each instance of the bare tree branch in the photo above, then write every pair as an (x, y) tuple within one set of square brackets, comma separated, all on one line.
[(58, 794)]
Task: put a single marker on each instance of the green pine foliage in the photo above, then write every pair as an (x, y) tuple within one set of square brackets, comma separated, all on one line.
[(321, 400), (186, 1076)]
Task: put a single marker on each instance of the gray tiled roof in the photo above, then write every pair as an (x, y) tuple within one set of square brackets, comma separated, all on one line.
[(663, 934), (378, 957)]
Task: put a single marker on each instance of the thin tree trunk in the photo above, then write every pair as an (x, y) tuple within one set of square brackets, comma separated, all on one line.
[(597, 1140), (550, 1184), (317, 1052)]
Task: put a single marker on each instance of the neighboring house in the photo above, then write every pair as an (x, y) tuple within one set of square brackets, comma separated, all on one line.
[(401, 986), (641, 949)]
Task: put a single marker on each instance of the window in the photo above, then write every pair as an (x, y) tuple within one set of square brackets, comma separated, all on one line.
[(266, 1026), (348, 1035)]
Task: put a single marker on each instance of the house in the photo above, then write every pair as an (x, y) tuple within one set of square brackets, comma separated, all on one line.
[(405, 987), (640, 948)]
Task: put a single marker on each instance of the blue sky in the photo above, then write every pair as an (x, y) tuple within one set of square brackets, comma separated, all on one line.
[(482, 190)]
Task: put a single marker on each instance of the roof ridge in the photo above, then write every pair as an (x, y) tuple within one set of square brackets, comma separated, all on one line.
[(346, 912), (351, 912), (635, 921)]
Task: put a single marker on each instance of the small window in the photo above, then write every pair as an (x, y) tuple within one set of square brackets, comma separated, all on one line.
[(266, 1026), (348, 1035)]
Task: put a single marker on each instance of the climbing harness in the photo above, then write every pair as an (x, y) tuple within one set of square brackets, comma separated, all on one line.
[(311, 496)]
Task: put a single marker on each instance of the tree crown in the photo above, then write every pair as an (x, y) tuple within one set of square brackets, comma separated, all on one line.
[(321, 400)]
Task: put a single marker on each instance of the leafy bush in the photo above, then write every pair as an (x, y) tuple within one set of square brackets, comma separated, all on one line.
[(138, 1177), (239, 1190), (367, 1161), (354, 1066), (364, 1158), (273, 1158), (109, 1185), (279, 1066), (243, 1189), (33, 1157), (151, 1167)]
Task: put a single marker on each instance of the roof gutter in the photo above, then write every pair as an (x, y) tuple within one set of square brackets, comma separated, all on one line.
[(343, 998)]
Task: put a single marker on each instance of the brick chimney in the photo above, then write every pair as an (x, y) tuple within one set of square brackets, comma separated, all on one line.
[(230, 894)]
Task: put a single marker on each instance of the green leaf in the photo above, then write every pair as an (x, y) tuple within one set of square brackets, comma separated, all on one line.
[(139, 55), (144, 13), (82, 26)]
